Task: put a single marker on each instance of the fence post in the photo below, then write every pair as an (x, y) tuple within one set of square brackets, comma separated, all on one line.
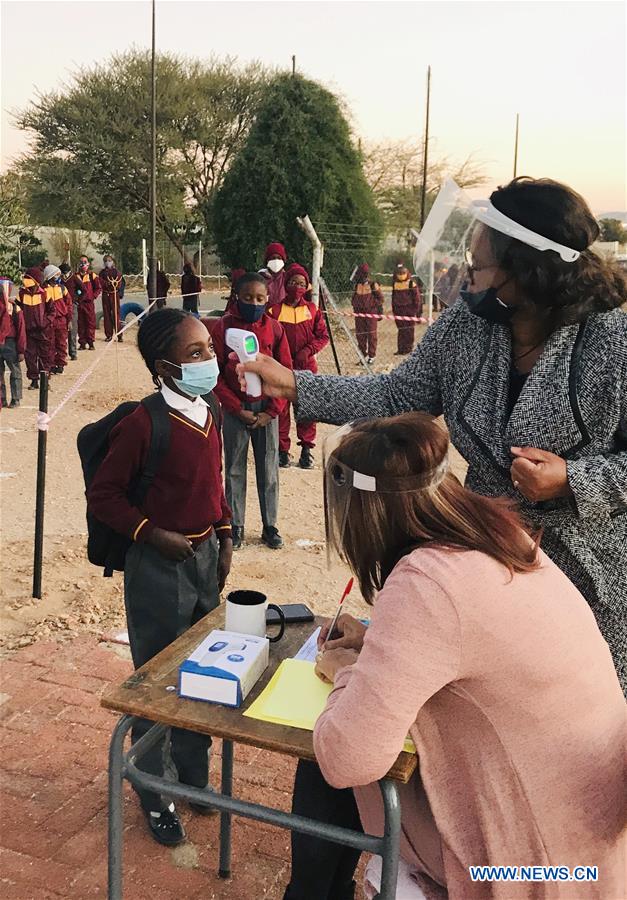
[(144, 263), (42, 440), (310, 231)]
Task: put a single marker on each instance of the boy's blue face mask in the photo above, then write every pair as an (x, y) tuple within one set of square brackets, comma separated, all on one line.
[(198, 378), (250, 312)]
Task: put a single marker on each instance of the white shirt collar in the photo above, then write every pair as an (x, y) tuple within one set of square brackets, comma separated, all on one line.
[(193, 408)]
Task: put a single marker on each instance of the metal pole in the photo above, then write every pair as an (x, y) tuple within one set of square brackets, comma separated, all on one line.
[(144, 262), (426, 153), (116, 813), (516, 146), (42, 440), (224, 870), (293, 66), (200, 259), (152, 275)]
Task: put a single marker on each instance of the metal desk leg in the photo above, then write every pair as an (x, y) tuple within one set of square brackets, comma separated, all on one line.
[(225, 817), (116, 824), (391, 840)]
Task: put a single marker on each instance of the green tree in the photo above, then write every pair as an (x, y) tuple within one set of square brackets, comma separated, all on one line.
[(394, 172), (298, 160), (612, 230), (18, 244), (89, 166)]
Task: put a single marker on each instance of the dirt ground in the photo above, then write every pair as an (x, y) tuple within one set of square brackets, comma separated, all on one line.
[(76, 598)]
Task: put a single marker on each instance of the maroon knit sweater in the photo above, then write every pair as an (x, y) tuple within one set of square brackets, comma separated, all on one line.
[(187, 493)]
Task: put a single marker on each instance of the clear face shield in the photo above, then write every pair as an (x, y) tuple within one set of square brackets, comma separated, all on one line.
[(462, 241), (345, 487)]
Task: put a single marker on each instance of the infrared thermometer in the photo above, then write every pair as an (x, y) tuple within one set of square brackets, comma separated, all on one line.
[(246, 345)]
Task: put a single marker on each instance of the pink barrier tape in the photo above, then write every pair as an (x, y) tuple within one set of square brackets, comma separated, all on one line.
[(356, 315), (44, 419)]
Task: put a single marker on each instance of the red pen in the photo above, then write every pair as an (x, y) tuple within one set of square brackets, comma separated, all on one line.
[(347, 591)]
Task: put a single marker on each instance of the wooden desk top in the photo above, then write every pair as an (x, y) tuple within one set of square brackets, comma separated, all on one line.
[(145, 694)]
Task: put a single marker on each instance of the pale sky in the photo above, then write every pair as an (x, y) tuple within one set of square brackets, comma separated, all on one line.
[(561, 65)]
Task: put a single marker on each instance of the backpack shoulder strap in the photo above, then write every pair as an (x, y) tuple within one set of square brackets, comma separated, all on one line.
[(159, 442), (214, 408)]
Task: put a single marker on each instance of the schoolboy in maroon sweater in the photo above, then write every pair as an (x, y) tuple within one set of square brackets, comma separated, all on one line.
[(174, 571), (248, 421)]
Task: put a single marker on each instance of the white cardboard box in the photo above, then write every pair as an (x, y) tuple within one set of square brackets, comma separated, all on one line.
[(224, 668)]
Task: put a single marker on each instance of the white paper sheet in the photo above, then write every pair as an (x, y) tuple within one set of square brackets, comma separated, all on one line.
[(309, 650)]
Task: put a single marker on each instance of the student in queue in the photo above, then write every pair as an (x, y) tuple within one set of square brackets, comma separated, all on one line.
[(61, 316), (481, 650), (529, 369), (112, 282), (247, 420), (306, 335)]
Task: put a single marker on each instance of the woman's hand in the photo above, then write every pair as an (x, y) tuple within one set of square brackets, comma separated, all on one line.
[(171, 544), (350, 630), (277, 381), (539, 475), (225, 558), (330, 662)]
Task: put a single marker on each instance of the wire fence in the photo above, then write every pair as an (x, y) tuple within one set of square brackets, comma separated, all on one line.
[(361, 343)]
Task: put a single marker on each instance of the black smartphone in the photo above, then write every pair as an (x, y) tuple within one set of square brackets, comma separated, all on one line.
[(293, 612)]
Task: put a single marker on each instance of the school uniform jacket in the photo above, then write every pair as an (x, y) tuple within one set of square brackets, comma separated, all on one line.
[(84, 287), (38, 309), (61, 300), (574, 404), (305, 331), (272, 342), (16, 327), (368, 298)]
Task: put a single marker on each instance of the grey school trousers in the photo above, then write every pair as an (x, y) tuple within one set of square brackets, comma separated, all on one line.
[(163, 599), (265, 441), (8, 357), (73, 332)]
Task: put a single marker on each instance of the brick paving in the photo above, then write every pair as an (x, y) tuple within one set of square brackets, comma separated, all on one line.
[(53, 792)]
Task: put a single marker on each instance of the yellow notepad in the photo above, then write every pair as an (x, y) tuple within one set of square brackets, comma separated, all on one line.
[(296, 697)]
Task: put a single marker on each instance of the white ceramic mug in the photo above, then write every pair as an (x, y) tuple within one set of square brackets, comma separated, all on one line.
[(246, 614)]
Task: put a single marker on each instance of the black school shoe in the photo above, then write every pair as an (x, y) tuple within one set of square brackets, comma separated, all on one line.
[(34, 385), (237, 533), (284, 459), (14, 404), (166, 828), (271, 537), (306, 459)]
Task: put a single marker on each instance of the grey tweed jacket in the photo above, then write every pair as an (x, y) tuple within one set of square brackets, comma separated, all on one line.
[(574, 404)]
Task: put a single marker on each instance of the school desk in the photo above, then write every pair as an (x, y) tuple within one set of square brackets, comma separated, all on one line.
[(148, 694)]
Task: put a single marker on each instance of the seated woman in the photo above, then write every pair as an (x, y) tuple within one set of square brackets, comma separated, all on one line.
[(488, 656)]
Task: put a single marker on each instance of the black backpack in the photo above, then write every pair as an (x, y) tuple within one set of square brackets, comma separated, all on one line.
[(105, 546)]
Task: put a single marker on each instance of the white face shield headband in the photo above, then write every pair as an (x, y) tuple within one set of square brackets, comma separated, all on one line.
[(342, 484), (444, 243)]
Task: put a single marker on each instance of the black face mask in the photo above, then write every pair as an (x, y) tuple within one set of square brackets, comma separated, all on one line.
[(487, 306)]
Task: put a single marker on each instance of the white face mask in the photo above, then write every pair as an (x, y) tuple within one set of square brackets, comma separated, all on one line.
[(275, 265)]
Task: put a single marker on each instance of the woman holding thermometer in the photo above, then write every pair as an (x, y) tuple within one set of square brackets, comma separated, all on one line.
[(482, 651)]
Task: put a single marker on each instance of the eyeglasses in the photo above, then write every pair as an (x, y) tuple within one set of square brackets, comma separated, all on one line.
[(470, 264)]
